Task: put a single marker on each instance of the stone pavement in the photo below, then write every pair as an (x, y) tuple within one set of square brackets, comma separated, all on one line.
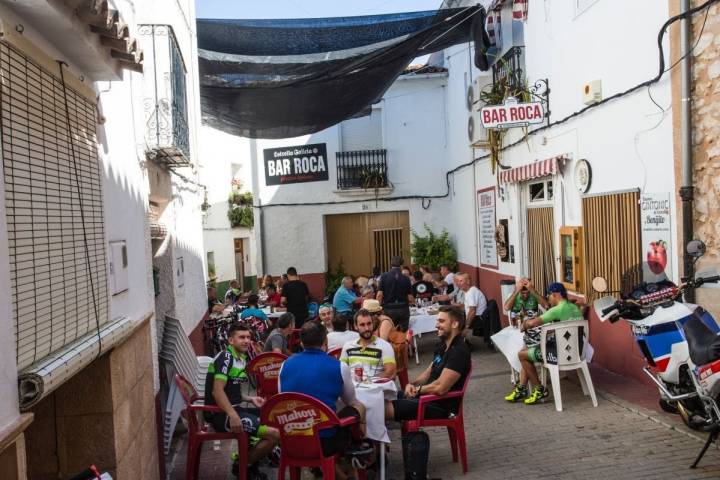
[(618, 439)]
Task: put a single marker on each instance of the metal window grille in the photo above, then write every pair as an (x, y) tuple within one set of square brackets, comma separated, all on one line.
[(50, 280), (362, 169), (388, 243), (510, 68)]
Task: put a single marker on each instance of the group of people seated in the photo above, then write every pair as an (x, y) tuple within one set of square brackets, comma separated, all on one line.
[(525, 304), (365, 356)]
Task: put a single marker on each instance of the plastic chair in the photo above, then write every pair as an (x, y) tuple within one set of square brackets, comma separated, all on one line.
[(198, 431), (569, 341), (266, 370), (455, 425), (335, 352), (299, 418)]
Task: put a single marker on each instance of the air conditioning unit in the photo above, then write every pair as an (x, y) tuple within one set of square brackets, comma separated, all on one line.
[(477, 135)]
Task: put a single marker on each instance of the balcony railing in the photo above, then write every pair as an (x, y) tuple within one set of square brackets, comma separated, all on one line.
[(362, 169), (510, 68), (165, 100)]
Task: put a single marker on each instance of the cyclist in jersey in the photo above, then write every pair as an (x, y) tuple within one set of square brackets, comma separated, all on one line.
[(223, 387), (562, 310), (371, 354), (525, 298)]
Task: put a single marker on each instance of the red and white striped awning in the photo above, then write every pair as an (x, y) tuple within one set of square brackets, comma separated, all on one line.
[(540, 168)]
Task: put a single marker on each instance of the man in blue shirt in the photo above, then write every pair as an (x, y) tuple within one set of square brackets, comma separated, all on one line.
[(345, 298), (252, 309), (330, 380)]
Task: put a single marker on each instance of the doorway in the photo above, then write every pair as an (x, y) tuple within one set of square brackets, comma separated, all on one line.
[(541, 247), (239, 262), (361, 241)]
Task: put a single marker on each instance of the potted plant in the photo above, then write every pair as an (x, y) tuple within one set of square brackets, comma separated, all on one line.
[(433, 250)]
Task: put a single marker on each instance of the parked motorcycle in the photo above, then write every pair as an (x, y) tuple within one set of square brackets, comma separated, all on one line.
[(660, 322)]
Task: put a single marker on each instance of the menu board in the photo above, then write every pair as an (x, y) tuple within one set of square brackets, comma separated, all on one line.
[(656, 234), (486, 224)]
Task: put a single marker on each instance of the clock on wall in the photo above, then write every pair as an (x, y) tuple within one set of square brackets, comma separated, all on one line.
[(583, 175)]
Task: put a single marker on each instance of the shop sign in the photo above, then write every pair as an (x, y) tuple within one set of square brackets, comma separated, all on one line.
[(304, 163), (656, 233), (512, 114), (486, 224)]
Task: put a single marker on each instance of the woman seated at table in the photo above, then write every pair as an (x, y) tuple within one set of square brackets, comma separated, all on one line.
[(273, 297), (382, 323)]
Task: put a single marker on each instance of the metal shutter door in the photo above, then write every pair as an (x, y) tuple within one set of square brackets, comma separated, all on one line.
[(57, 257), (363, 133)]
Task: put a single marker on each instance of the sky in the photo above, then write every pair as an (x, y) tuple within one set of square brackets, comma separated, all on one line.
[(307, 8)]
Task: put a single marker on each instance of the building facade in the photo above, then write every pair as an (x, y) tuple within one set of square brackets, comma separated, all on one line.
[(98, 170)]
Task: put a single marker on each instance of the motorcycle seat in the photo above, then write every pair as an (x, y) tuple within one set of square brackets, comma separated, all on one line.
[(703, 343)]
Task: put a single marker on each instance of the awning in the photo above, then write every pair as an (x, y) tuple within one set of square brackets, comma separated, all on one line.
[(540, 168)]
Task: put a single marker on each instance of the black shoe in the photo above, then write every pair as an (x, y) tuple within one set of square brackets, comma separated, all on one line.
[(254, 473)]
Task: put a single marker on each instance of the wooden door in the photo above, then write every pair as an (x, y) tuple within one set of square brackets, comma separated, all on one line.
[(541, 247), (351, 239)]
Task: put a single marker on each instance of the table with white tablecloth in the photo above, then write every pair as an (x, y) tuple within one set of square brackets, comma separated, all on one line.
[(421, 322), (373, 396)]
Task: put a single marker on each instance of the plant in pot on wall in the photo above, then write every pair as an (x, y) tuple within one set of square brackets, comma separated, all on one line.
[(511, 85), (433, 250), (374, 178), (240, 210)]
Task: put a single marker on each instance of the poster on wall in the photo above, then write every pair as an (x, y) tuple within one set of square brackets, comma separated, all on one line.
[(656, 233), (486, 224), (300, 164)]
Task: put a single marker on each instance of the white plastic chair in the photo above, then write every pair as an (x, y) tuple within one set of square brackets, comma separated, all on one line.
[(569, 341)]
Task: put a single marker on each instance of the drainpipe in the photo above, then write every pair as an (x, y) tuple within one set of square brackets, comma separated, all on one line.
[(686, 188)]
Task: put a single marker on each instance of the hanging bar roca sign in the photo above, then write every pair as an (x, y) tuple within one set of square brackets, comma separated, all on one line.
[(512, 114), (305, 163)]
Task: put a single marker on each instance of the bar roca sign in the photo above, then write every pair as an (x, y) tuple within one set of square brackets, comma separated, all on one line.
[(305, 163), (512, 114)]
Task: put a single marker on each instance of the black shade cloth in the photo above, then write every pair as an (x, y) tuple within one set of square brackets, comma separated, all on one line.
[(285, 78)]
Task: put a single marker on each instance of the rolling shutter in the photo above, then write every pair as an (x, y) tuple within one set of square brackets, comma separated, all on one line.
[(362, 133), (54, 208)]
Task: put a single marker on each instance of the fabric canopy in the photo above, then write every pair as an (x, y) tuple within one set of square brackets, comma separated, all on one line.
[(284, 78), (537, 169)]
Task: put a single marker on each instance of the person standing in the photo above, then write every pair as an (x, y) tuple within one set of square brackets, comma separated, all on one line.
[(395, 294), (295, 296)]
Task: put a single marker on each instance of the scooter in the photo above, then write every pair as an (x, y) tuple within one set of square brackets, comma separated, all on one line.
[(654, 308)]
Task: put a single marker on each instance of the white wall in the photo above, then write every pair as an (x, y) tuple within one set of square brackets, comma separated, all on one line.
[(564, 48)]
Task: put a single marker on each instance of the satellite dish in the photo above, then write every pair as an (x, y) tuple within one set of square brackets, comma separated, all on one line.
[(470, 99), (471, 129)]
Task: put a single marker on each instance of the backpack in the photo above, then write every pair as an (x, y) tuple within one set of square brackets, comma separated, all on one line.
[(416, 449), (398, 340)]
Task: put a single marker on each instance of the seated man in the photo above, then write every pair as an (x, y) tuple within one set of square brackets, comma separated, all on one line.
[(422, 288), (446, 373), (277, 341), (252, 309), (562, 310), (233, 293), (525, 299), (330, 381), (223, 387), (326, 313), (373, 355), (345, 298), (273, 297), (340, 335)]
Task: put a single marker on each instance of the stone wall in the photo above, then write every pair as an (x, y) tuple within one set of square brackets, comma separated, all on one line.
[(104, 415), (706, 144)]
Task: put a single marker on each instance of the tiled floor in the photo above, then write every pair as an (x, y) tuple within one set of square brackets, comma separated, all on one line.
[(624, 437)]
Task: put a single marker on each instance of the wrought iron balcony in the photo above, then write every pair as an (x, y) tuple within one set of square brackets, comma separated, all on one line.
[(165, 99), (366, 169), (510, 68)]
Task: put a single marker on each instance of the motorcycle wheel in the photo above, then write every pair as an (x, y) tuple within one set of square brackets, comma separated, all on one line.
[(669, 407)]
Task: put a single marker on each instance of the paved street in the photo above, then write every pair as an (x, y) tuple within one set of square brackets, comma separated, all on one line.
[(615, 440)]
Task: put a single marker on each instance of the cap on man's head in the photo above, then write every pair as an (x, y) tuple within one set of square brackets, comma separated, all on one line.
[(557, 287)]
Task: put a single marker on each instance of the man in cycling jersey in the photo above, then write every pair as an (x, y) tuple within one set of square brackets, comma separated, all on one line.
[(562, 310), (223, 387)]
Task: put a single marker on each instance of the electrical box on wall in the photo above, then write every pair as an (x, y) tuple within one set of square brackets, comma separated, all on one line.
[(592, 92)]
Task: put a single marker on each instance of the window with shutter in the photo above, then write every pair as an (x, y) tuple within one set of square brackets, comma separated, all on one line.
[(54, 209), (363, 133)]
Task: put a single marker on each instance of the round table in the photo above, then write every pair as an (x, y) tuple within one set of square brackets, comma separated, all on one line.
[(373, 396), (421, 323)]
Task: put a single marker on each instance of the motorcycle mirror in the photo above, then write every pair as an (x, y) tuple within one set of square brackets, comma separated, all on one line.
[(695, 248), (599, 284)]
